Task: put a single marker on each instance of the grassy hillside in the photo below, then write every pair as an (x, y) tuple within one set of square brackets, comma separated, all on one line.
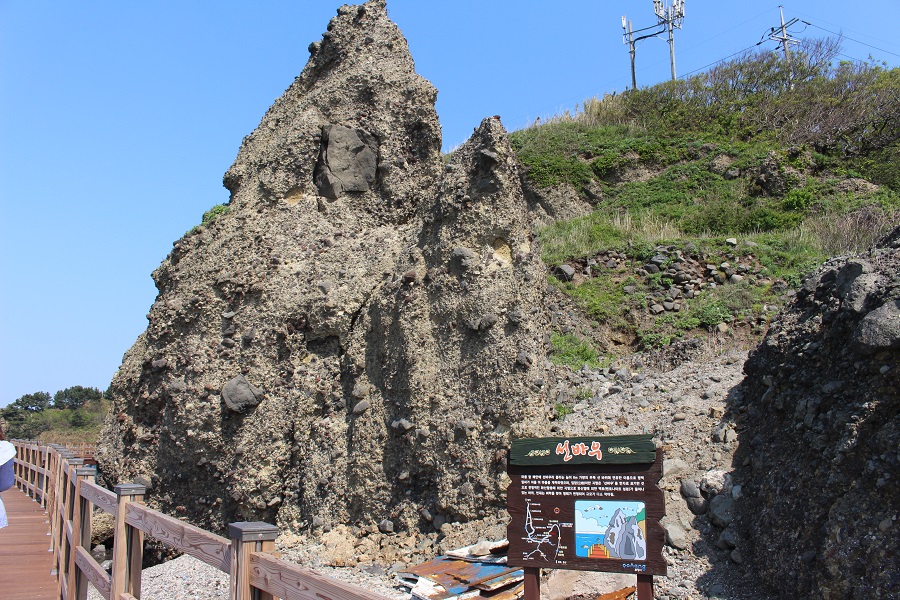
[(791, 163)]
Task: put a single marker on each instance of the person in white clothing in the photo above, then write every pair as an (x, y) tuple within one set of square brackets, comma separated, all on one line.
[(7, 475)]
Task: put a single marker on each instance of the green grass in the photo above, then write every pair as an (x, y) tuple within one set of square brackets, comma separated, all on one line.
[(562, 411), (210, 216), (571, 351), (651, 161)]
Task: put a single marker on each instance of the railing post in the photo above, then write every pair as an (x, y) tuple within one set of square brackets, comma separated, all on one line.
[(27, 469), (17, 465), (245, 539), (53, 503), (45, 464), (128, 545), (68, 507), (81, 535), (33, 465)]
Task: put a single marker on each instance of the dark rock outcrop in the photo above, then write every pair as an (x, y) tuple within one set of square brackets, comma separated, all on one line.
[(823, 415)]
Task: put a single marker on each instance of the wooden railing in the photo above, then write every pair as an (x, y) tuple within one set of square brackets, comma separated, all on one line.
[(59, 480)]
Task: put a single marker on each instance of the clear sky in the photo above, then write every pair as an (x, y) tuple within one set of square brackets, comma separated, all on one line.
[(118, 120)]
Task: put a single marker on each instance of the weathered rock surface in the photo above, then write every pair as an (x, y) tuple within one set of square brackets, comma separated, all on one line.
[(344, 345), (823, 432)]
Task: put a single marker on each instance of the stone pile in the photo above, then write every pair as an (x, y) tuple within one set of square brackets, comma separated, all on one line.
[(676, 275)]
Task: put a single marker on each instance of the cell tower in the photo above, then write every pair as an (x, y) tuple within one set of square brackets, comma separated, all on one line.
[(672, 17), (668, 18)]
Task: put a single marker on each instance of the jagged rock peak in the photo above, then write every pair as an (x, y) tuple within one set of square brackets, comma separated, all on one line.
[(356, 339), (356, 131), (480, 201)]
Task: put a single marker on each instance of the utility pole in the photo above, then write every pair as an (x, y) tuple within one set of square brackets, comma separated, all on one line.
[(783, 37), (629, 39), (667, 19)]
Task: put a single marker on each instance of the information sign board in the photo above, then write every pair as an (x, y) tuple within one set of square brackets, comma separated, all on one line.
[(586, 503)]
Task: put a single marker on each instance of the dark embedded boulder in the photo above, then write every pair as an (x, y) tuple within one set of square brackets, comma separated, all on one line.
[(238, 394), (347, 161)]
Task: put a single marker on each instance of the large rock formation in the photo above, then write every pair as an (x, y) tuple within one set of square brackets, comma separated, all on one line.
[(356, 339), (823, 416)]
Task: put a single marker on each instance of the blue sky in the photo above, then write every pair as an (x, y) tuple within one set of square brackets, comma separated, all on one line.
[(118, 120)]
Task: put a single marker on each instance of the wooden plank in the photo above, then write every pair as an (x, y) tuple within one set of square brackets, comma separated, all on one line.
[(212, 549), (622, 594), (92, 571), (24, 561), (100, 497), (293, 582)]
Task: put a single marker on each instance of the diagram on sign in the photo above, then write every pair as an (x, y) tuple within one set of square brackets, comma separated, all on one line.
[(610, 529), (542, 535)]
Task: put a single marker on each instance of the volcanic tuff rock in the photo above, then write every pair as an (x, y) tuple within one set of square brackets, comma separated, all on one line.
[(356, 339), (823, 432)]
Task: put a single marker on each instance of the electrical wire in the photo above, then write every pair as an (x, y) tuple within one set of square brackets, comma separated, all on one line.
[(805, 18), (721, 59), (738, 26), (862, 62), (851, 39)]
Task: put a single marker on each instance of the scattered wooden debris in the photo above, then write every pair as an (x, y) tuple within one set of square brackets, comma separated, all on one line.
[(622, 594), (477, 571)]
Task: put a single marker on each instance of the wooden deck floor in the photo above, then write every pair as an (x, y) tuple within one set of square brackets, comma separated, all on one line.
[(24, 560)]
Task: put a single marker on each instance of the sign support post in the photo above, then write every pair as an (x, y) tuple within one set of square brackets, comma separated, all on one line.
[(532, 583)]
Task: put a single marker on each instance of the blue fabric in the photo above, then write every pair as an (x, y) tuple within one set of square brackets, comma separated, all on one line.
[(7, 475)]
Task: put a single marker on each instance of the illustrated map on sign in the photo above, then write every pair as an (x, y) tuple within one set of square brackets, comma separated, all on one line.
[(542, 535), (610, 529)]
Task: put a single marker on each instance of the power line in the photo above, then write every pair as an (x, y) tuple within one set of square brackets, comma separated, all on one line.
[(894, 44), (862, 62), (722, 59), (724, 31), (851, 39), (785, 39)]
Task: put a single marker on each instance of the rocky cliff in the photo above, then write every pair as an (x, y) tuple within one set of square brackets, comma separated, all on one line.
[(823, 430), (357, 337)]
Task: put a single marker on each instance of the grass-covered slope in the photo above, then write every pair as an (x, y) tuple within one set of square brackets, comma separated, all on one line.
[(789, 162)]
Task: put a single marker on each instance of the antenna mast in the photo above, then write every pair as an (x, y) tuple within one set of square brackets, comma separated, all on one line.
[(672, 17), (668, 18)]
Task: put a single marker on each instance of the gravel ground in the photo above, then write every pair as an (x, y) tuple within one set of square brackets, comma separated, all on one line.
[(186, 578)]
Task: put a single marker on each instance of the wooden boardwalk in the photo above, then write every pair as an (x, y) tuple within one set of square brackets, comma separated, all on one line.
[(24, 558)]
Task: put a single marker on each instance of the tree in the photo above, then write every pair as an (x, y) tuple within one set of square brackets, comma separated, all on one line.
[(75, 397), (35, 402)]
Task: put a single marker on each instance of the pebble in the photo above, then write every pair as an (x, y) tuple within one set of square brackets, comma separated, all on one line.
[(689, 489), (721, 510), (676, 536), (697, 506), (386, 526)]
